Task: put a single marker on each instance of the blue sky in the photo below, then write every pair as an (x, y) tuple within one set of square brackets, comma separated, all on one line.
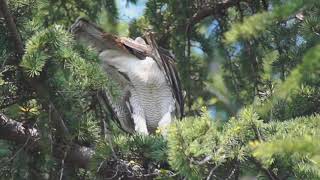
[(127, 12)]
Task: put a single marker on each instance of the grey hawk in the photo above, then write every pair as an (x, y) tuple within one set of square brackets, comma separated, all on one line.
[(151, 91)]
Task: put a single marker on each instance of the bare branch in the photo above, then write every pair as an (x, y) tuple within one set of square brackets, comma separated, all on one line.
[(211, 172), (12, 130), (203, 161), (210, 10), (15, 131)]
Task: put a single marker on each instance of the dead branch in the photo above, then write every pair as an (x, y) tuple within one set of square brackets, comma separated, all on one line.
[(14, 131)]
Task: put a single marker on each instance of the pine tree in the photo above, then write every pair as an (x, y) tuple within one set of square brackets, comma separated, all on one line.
[(254, 112)]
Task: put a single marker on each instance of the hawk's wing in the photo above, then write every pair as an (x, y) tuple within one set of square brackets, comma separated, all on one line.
[(168, 63), (117, 105)]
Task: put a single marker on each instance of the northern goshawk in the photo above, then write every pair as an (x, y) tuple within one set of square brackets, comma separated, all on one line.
[(151, 93)]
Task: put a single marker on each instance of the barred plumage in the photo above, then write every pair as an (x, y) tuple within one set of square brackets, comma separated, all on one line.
[(151, 90)]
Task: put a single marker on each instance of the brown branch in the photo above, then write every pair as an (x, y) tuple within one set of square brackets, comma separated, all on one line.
[(257, 133), (271, 175), (203, 161), (12, 32), (212, 10), (200, 15), (211, 172), (14, 131)]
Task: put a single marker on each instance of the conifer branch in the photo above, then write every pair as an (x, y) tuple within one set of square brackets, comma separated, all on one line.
[(40, 89), (57, 121), (271, 175)]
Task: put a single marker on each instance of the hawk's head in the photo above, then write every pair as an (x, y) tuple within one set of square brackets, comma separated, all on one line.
[(90, 34)]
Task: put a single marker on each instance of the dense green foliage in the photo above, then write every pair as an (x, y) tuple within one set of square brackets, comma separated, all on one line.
[(250, 69)]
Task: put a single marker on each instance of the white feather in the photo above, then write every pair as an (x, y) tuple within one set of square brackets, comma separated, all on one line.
[(151, 97)]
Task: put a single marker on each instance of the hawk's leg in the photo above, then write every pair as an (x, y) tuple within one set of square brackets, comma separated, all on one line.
[(165, 121), (138, 116), (140, 124)]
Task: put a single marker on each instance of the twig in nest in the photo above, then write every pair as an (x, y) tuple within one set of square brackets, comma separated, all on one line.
[(62, 165)]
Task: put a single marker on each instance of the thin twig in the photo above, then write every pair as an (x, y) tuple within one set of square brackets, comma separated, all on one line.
[(205, 160), (20, 149), (257, 133), (211, 172), (62, 165), (271, 175), (231, 174), (100, 166), (116, 174)]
